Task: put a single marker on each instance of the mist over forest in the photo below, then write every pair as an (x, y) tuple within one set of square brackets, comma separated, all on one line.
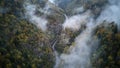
[(59, 33)]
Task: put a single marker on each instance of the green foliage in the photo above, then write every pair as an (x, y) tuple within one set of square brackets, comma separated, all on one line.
[(22, 44), (109, 47)]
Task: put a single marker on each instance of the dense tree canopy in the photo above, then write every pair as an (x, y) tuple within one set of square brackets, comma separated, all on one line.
[(23, 45)]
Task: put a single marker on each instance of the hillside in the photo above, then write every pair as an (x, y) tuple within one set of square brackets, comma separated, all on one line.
[(59, 34)]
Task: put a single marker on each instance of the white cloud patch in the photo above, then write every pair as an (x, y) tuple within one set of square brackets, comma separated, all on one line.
[(75, 22), (40, 22), (111, 13)]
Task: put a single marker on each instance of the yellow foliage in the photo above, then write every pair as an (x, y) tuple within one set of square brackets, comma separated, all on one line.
[(9, 65), (110, 57), (34, 66), (18, 66)]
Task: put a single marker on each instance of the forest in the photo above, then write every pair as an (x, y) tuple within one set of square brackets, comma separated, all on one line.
[(24, 45)]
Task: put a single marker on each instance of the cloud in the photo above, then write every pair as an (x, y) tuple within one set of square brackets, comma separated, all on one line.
[(75, 22), (40, 22), (111, 13), (79, 54)]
